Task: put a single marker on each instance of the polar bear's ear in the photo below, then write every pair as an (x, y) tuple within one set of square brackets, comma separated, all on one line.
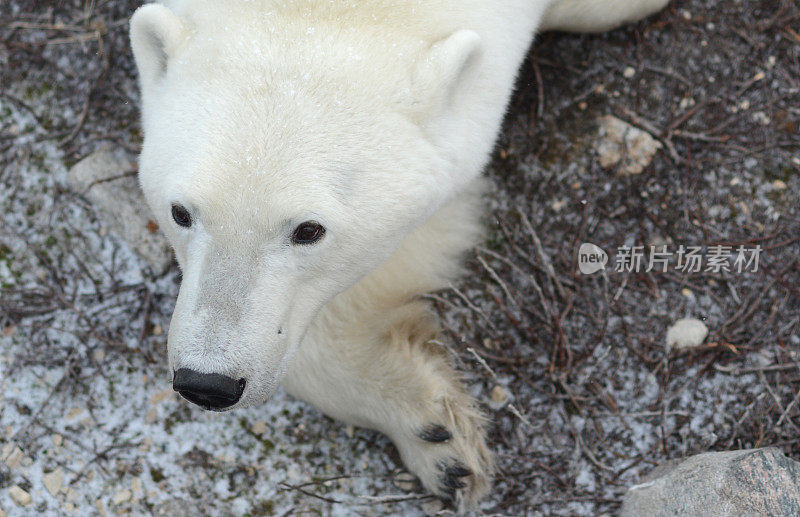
[(445, 68), (155, 34)]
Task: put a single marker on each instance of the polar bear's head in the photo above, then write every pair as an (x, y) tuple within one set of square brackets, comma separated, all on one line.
[(285, 158)]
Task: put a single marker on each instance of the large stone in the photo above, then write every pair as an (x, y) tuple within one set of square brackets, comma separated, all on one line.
[(108, 179), (624, 146), (719, 484), (685, 334)]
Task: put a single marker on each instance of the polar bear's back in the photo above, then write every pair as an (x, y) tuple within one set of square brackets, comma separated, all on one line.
[(432, 18)]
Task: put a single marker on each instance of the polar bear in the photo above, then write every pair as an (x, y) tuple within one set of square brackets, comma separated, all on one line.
[(316, 166)]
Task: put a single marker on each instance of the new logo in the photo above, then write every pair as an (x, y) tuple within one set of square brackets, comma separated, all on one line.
[(591, 258)]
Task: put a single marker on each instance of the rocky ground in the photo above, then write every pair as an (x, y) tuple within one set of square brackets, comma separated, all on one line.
[(584, 396)]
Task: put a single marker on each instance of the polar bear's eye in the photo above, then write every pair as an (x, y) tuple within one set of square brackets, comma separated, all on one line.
[(308, 232), (181, 216)]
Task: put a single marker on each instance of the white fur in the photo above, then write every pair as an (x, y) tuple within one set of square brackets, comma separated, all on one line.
[(597, 15), (374, 118)]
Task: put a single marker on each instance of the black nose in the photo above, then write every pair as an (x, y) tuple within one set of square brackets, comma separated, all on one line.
[(208, 390)]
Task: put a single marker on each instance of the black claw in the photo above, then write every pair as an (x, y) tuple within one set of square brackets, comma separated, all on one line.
[(457, 470), (448, 494), (435, 434), (451, 482)]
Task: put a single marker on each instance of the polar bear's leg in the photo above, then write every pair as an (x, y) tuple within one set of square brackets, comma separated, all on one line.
[(597, 15), (385, 373)]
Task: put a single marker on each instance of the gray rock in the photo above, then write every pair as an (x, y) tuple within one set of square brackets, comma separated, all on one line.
[(719, 484), (624, 146), (108, 179)]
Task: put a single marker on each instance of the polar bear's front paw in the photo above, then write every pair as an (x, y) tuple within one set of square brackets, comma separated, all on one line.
[(451, 460)]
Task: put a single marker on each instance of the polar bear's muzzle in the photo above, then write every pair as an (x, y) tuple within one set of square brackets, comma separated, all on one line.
[(210, 391)]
